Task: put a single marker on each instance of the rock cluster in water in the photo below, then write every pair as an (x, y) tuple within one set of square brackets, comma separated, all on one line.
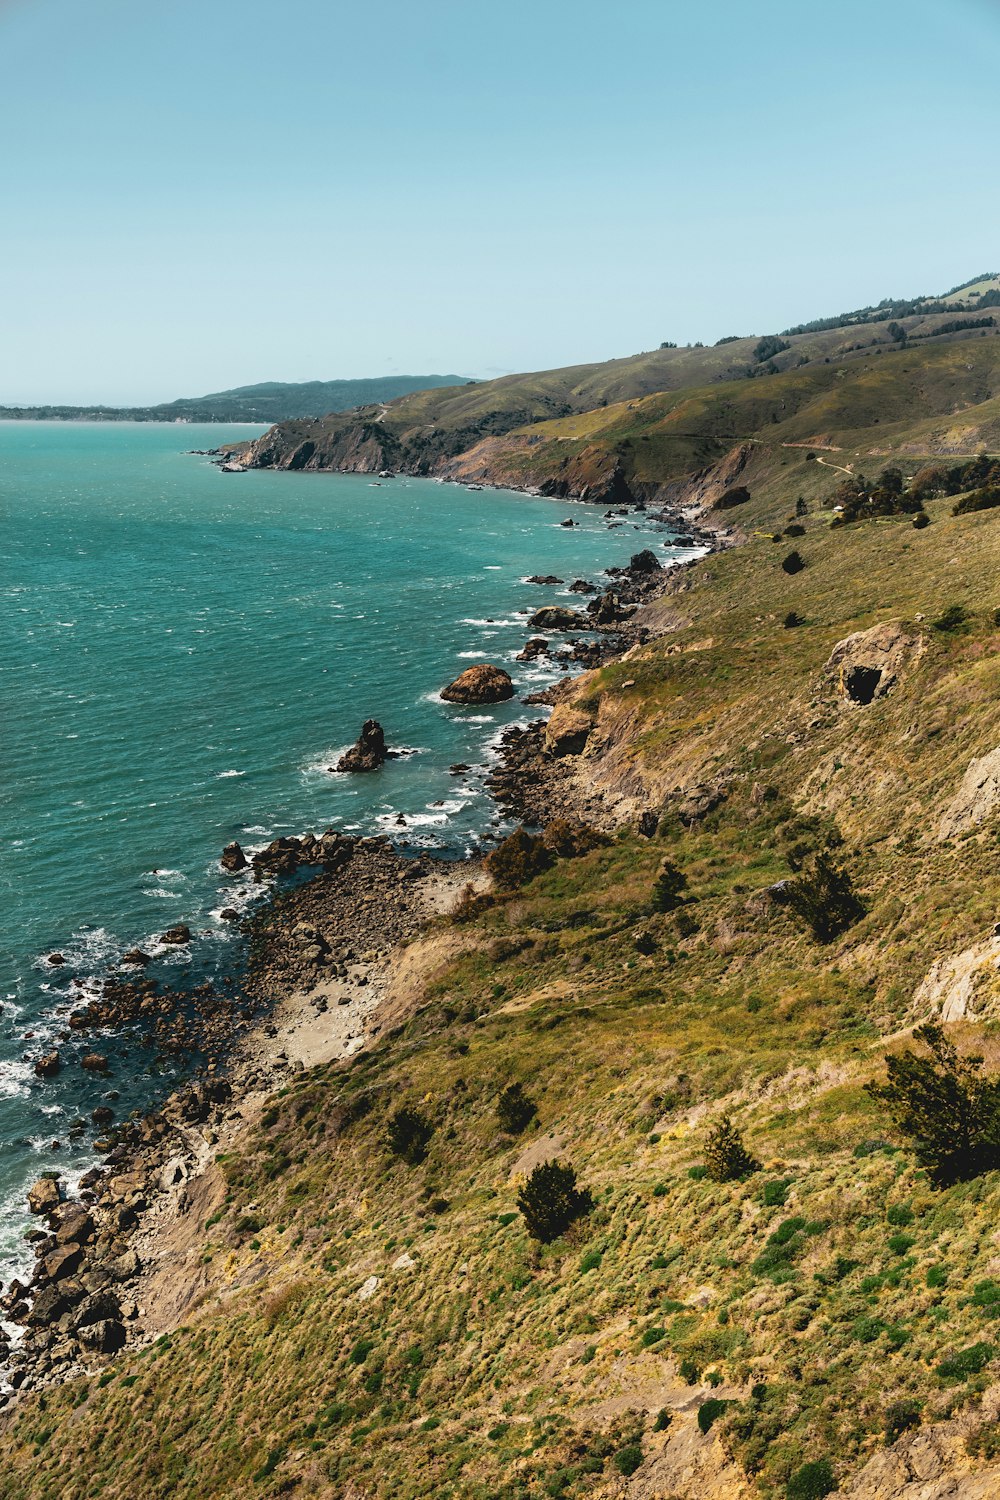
[(480, 684)]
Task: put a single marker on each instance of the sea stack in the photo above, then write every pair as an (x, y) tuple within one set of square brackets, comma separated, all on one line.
[(369, 752), (480, 684)]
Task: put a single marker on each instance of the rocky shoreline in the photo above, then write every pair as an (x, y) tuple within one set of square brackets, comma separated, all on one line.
[(320, 961)]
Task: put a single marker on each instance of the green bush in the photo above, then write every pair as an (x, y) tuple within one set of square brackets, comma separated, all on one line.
[(900, 1243), (937, 1276), (710, 1411), (550, 1201), (793, 563), (726, 1157), (900, 1416), (985, 499), (407, 1134), (900, 1214), (653, 1336), (515, 1111), (518, 859), (954, 618), (776, 1192), (966, 1362), (591, 1261), (812, 1481), (628, 1459), (941, 1101)]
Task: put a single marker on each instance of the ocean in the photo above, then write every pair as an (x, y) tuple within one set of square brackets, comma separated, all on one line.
[(183, 655)]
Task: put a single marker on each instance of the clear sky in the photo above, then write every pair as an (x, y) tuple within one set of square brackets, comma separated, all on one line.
[(201, 195)]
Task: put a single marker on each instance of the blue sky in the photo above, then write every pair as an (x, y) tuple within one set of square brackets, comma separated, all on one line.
[(200, 195)]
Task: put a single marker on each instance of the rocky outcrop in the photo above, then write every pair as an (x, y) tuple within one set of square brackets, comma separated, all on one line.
[(177, 936), (233, 859), (369, 751), (283, 856), (44, 1195), (48, 1065), (977, 798), (558, 617), (866, 665), (480, 684), (567, 731)]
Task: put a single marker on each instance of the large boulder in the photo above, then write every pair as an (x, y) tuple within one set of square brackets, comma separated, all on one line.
[(369, 752), (43, 1196), (480, 684), (558, 617), (644, 562), (48, 1065), (867, 664), (977, 798), (104, 1337), (64, 1261)]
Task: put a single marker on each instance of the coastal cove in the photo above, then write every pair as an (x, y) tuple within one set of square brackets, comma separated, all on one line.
[(185, 655)]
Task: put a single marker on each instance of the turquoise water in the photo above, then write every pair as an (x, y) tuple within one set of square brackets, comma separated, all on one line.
[(183, 654)]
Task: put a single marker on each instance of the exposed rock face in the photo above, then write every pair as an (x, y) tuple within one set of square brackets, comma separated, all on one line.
[(48, 1065), (233, 859), (558, 617), (544, 578), (567, 731), (480, 684), (866, 665), (977, 798), (536, 647), (964, 986), (283, 856), (369, 752)]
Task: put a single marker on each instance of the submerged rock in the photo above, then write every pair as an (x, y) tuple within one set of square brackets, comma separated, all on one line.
[(369, 752), (480, 684)]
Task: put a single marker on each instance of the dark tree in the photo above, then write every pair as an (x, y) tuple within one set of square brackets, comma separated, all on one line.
[(793, 563), (823, 896), (945, 1105), (551, 1201), (668, 887), (408, 1133), (726, 1157), (515, 1111)]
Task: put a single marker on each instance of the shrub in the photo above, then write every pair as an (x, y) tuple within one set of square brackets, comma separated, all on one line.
[(937, 1276), (663, 1419), (668, 887), (900, 1214), (653, 1336), (628, 1459), (900, 1416), (900, 1243), (792, 620), (954, 618), (726, 1157), (823, 897), (710, 1411), (407, 1134), (767, 347), (591, 1261), (776, 1192), (793, 563), (795, 529), (966, 1362), (985, 499), (569, 838), (515, 1111), (941, 1101), (550, 1201), (920, 520), (812, 1481), (518, 859)]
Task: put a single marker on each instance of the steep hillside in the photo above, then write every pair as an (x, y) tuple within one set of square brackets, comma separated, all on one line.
[(369, 1318)]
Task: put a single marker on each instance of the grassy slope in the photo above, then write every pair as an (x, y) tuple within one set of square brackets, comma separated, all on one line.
[(487, 1369)]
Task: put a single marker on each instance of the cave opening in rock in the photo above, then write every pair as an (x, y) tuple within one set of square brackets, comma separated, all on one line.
[(861, 683)]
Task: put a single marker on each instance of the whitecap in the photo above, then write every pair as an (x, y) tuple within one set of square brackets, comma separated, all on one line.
[(225, 775)]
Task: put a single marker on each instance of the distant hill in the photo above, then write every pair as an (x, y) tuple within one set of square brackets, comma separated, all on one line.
[(917, 374), (270, 401)]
